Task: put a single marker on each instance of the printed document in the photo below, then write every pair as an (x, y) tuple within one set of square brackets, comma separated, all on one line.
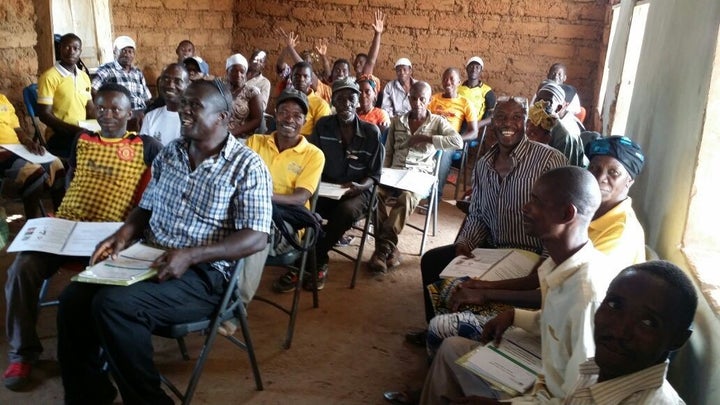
[(62, 236)]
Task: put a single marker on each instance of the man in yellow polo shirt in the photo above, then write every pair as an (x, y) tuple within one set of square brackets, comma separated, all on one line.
[(480, 95), (64, 97), (317, 108), (295, 164)]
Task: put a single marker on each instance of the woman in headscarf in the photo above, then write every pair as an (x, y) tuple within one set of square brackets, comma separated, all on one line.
[(247, 111)]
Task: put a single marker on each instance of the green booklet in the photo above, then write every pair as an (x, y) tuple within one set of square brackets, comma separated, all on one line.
[(130, 266)]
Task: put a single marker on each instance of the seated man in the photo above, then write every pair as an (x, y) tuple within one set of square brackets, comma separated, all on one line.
[(301, 78), (123, 72), (109, 171), (495, 217), (573, 280), (208, 204), (546, 126), (396, 93), (614, 230), (295, 164), (457, 110), (634, 334), (479, 93), (163, 123), (23, 178), (353, 158), (413, 139), (64, 97)]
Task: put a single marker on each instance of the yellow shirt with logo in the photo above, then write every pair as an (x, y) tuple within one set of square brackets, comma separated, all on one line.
[(456, 110), (476, 95), (67, 93), (298, 167), (317, 109)]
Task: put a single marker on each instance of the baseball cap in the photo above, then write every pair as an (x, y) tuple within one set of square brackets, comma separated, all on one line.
[(403, 62), (292, 94), (475, 59), (123, 42), (345, 83)]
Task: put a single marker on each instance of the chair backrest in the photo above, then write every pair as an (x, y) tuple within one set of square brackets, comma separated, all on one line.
[(30, 97)]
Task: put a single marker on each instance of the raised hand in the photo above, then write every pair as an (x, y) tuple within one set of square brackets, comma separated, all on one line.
[(379, 24), (321, 46)]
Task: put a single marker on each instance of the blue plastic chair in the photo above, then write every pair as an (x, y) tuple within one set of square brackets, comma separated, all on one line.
[(30, 97)]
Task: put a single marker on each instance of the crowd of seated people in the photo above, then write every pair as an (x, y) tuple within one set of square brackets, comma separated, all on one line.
[(536, 188)]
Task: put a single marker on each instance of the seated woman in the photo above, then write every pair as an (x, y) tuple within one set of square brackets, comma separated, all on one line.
[(21, 177), (367, 110), (615, 230), (247, 114)]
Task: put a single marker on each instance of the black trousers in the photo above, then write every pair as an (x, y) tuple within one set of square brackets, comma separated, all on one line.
[(432, 264), (340, 216), (121, 321)]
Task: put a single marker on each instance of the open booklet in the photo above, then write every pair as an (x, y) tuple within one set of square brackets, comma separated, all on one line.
[(22, 152), (130, 266), (492, 264), (331, 190), (62, 236), (512, 366), (410, 180)]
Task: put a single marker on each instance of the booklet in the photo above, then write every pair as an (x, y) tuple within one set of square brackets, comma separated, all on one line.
[(130, 266), (22, 152), (62, 236), (492, 264), (410, 180), (512, 366), (331, 190), (90, 125)]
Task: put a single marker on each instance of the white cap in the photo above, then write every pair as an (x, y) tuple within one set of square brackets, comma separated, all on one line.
[(236, 59), (476, 59), (123, 42), (403, 62)]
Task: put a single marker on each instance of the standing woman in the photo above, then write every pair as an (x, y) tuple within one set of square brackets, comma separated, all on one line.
[(247, 104)]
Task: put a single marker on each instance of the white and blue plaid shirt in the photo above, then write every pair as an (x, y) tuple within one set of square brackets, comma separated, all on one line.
[(134, 80), (225, 193)]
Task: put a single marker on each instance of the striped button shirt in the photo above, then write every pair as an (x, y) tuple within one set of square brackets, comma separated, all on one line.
[(133, 80), (495, 215), (225, 193), (647, 386)]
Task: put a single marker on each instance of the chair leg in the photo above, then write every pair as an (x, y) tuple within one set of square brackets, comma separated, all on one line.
[(183, 348), (249, 348), (361, 249), (431, 210)]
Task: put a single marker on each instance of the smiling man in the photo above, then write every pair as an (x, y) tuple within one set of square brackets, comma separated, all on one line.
[(301, 78), (109, 171), (353, 159), (64, 97), (163, 123), (208, 205), (503, 180)]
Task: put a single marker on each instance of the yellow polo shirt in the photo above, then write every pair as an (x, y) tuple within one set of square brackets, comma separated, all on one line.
[(298, 167), (68, 94), (476, 95), (456, 110), (619, 235), (317, 109), (8, 121)]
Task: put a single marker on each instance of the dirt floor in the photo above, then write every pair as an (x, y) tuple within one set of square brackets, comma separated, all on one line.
[(348, 351)]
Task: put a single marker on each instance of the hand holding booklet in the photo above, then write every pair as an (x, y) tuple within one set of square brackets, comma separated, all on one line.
[(62, 236), (492, 264), (130, 266), (512, 366)]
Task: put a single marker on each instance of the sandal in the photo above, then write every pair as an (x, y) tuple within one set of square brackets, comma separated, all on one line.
[(402, 397)]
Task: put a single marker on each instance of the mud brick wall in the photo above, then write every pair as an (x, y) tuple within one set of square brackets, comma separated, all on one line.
[(518, 39), (159, 25), (18, 59)]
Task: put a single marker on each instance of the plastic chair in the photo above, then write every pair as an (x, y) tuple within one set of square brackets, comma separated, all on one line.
[(231, 306), (288, 261), (30, 97), (368, 219)]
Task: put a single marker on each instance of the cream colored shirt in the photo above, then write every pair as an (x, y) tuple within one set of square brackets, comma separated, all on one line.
[(571, 293)]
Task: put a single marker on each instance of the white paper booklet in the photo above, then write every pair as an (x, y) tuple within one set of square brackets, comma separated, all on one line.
[(90, 125), (492, 264), (61, 236), (130, 266), (512, 366), (22, 152), (409, 180), (331, 190)]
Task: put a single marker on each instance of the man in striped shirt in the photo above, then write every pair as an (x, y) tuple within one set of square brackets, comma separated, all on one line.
[(503, 180)]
